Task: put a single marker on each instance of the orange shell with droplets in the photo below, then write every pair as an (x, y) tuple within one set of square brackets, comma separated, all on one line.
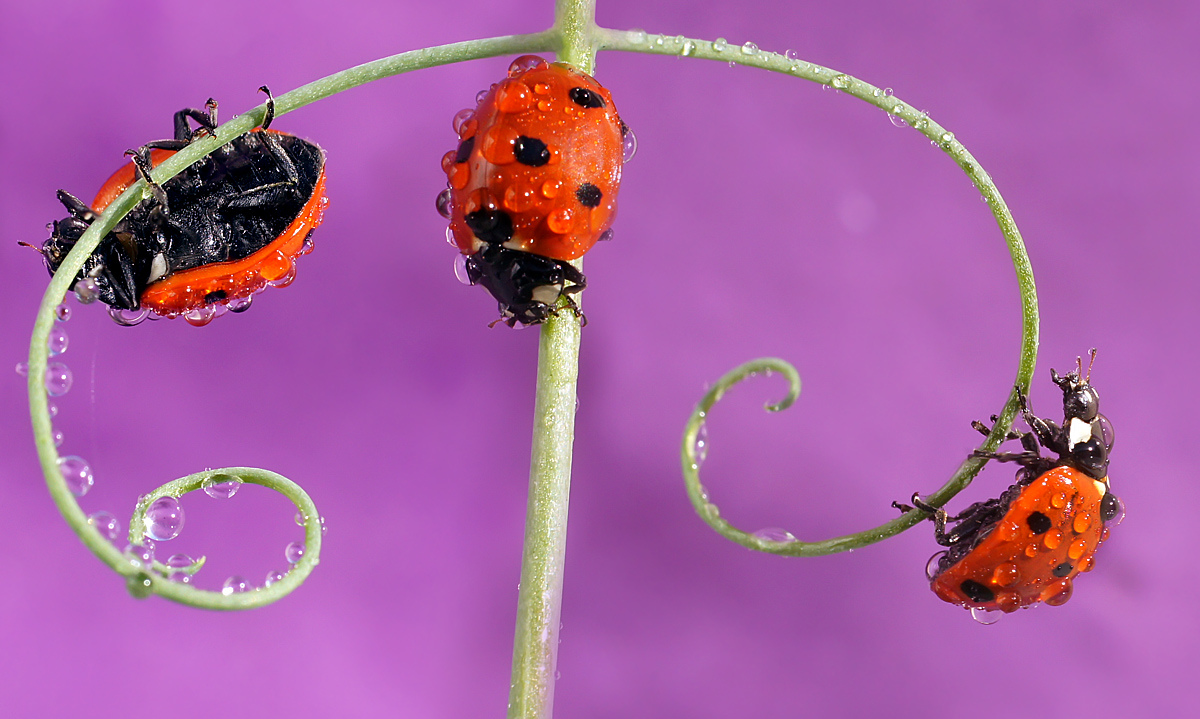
[(585, 144), (1015, 564)]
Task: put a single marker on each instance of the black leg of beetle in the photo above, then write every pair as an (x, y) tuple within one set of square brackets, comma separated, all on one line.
[(270, 116), (207, 119), (939, 519), (174, 145), (264, 196), (141, 162), (1024, 459), (76, 206), (574, 276), (285, 161), (985, 430)]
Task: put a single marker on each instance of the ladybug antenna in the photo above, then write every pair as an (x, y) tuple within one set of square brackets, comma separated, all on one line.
[(141, 163), (266, 123), (1092, 361), (39, 250)]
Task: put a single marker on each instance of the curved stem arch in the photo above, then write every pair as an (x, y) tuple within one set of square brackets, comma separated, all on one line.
[(750, 56)]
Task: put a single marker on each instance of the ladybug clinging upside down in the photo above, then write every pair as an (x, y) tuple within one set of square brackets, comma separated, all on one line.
[(209, 237), (533, 183), (1029, 544)]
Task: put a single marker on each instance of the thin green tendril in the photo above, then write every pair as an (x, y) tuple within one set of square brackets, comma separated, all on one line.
[(750, 56)]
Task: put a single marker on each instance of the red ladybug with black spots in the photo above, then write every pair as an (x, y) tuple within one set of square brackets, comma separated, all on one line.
[(213, 235), (1029, 544), (533, 184)]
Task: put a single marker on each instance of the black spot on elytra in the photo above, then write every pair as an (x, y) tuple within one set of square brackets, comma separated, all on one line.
[(976, 592), (588, 194), (1062, 570), (1110, 507), (214, 296), (1039, 523), (491, 226), (585, 98), (531, 151), (464, 149)]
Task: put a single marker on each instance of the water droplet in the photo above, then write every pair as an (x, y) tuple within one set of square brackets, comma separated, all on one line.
[(106, 524), (700, 446), (605, 236), (659, 41), (749, 49), (732, 63), (77, 474), (896, 120), (180, 577), (1083, 520), (1107, 436), (23, 369), (947, 138), (128, 318), (164, 519), (286, 278), (791, 54), (1031, 551), (62, 313), (1058, 500), (985, 617), (58, 341), (637, 37), (238, 304), (876, 92), (1006, 575), (719, 45), (221, 486), (1052, 539), (58, 379), (87, 291), (294, 552), (887, 92), (443, 203), (479, 96), (629, 144), (461, 117), (200, 316), (524, 64), (1077, 549), (179, 561), (841, 82), (272, 577), (141, 555), (235, 585), (56, 435), (460, 269), (775, 534), (1058, 594), (300, 519), (933, 566), (324, 529), (53, 409), (688, 48)]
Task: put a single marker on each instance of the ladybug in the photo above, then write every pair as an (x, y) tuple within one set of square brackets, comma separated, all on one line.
[(533, 184), (207, 239), (1029, 544)]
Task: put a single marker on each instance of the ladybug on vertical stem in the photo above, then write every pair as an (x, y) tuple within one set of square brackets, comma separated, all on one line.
[(533, 184), (210, 237), (1029, 544)]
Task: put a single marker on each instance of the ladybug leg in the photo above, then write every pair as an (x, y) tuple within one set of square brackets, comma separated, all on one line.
[(206, 119), (266, 195), (141, 162), (270, 116), (986, 430), (938, 516), (76, 207)]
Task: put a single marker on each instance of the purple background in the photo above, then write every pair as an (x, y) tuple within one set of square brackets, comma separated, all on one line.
[(762, 216)]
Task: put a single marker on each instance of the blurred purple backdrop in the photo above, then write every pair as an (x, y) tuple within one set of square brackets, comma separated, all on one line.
[(762, 216)]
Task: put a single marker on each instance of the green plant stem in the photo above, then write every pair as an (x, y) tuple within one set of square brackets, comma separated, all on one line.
[(751, 56), (539, 603)]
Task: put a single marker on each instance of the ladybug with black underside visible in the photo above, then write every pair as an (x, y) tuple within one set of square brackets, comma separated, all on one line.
[(1029, 544), (208, 238), (533, 184)]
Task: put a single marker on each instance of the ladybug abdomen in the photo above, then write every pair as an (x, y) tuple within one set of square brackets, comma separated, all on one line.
[(1048, 535)]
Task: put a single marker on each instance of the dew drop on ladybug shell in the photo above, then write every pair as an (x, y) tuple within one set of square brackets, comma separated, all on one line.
[(240, 304), (985, 617), (460, 119), (524, 64), (200, 316), (605, 236), (128, 318), (629, 143), (931, 567), (443, 205)]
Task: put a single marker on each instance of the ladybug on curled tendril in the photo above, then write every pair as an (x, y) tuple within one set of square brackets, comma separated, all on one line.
[(207, 239), (533, 184), (1029, 544)]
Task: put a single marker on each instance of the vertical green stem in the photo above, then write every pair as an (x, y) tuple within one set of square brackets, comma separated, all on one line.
[(535, 648)]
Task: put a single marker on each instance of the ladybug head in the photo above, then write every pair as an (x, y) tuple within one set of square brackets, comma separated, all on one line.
[(527, 286), (1080, 400), (108, 266)]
